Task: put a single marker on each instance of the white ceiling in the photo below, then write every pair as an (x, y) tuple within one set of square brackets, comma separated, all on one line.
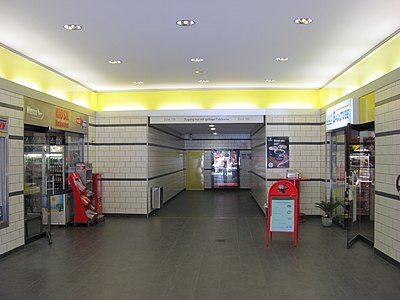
[(239, 40)]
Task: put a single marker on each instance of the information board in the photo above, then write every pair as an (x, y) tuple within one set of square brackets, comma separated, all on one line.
[(282, 215)]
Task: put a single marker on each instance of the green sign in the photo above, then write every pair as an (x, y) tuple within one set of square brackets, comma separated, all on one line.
[(45, 114)]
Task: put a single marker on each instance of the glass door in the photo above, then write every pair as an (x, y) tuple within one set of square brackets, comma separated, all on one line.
[(360, 192), (337, 175), (225, 168)]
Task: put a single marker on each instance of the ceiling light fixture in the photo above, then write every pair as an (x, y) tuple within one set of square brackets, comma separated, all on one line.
[(215, 133), (269, 80), (199, 71), (185, 23), (72, 27), (138, 82), (203, 81), (281, 58), (114, 62), (303, 21), (211, 125), (213, 128), (197, 59)]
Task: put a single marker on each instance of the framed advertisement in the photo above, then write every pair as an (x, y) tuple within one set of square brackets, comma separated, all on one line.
[(278, 152)]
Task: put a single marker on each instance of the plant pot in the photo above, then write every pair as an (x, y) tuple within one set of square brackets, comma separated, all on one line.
[(326, 221)]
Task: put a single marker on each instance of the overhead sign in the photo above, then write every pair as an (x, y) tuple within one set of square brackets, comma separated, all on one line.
[(205, 119), (339, 115), (3, 124), (44, 114)]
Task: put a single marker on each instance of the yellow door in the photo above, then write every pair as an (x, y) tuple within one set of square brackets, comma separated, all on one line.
[(194, 170)]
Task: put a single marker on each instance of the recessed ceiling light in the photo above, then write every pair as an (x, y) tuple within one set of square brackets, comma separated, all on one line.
[(197, 59), (72, 27), (199, 71), (185, 23), (281, 58), (303, 21), (138, 82), (215, 133), (269, 80), (213, 128), (203, 81), (114, 62), (211, 125)]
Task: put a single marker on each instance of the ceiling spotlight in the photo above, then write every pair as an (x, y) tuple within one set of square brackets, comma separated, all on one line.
[(185, 23), (72, 27), (211, 125), (303, 21), (199, 72), (213, 128), (215, 133), (269, 80), (197, 59), (114, 62), (203, 81), (282, 59), (138, 82)]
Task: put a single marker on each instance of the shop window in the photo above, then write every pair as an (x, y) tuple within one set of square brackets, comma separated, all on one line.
[(3, 184)]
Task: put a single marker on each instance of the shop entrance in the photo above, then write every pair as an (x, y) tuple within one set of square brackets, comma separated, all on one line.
[(352, 159)]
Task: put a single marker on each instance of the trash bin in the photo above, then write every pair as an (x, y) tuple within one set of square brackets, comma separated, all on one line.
[(156, 197)]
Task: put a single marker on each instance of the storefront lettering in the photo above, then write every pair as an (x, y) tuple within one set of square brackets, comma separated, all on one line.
[(62, 114)]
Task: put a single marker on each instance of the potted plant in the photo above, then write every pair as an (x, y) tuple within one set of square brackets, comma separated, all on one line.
[(327, 208)]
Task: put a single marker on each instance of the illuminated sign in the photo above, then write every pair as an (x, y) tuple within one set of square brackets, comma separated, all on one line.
[(339, 115), (45, 114)]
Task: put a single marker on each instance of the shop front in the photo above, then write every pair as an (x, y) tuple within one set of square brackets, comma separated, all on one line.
[(53, 144), (351, 170)]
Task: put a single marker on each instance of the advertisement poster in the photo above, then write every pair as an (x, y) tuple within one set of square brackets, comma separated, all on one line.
[(278, 152), (282, 216)]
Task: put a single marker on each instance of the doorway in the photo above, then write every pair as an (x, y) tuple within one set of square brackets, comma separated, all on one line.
[(195, 170)]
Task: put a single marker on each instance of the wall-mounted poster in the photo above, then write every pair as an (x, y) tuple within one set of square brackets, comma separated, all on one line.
[(278, 152)]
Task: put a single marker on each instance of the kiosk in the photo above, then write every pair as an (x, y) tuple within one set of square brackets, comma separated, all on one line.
[(283, 210)]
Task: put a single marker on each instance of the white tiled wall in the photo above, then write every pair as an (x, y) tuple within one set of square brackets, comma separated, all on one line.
[(207, 143), (306, 144), (120, 149), (387, 160), (166, 162), (12, 236), (258, 168)]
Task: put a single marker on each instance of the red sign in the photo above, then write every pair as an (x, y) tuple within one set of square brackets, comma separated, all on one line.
[(4, 124), (283, 210)]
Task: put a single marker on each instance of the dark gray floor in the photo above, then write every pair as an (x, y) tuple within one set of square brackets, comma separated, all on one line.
[(202, 245)]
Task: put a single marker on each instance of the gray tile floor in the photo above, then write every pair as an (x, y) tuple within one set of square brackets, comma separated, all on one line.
[(202, 245)]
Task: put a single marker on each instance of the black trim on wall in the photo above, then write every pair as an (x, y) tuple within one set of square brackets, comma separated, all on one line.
[(387, 195), (258, 146), (13, 251), (311, 179), (258, 175), (387, 100), (233, 139), (167, 174), (17, 193), (387, 133), (117, 125), (16, 137), (118, 144), (167, 147), (296, 123), (306, 143), (10, 106), (255, 132), (387, 258), (123, 179), (166, 132)]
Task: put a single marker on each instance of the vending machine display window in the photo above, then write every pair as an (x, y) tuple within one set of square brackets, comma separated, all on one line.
[(3, 183)]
